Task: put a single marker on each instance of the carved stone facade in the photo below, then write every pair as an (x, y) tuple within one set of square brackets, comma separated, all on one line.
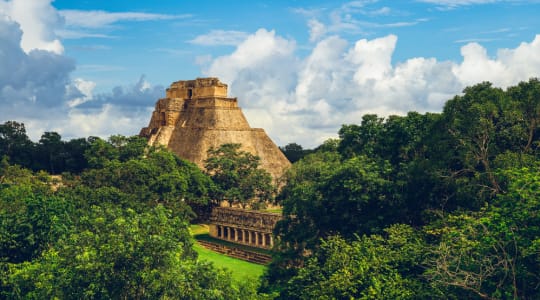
[(252, 228), (197, 115)]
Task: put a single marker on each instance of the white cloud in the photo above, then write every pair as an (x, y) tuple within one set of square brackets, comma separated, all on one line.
[(353, 6), (140, 95), (454, 3), (373, 58), (220, 37), (124, 110), (84, 23), (311, 13), (509, 66), (77, 34), (476, 40), (85, 88), (37, 20), (316, 30), (306, 100), (383, 11), (100, 18), (260, 50), (356, 17), (203, 60), (36, 87), (38, 77), (103, 122)]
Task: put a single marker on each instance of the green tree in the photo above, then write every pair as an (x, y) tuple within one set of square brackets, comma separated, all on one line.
[(159, 178), (121, 254), (129, 147), (31, 217), (493, 253), (325, 196), (329, 145), (100, 152), (527, 97), (237, 176), (15, 144), (473, 122), (361, 139), (75, 149), (50, 153), (370, 267), (294, 152), (302, 199)]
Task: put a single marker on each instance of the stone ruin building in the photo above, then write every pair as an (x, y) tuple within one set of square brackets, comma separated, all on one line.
[(252, 228), (197, 114)]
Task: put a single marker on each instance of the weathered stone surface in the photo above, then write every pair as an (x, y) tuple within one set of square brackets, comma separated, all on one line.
[(244, 219), (248, 227), (197, 115)]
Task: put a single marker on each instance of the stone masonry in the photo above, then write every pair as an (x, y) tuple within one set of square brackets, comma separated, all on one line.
[(197, 114), (252, 228)]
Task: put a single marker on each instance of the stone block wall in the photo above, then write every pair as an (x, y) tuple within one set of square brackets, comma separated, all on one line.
[(252, 228)]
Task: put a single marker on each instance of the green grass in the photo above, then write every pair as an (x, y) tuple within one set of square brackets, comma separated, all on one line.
[(197, 229), (274, 210), (241, 270)]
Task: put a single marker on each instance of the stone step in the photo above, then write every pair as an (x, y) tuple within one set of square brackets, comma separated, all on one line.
[(242, 254)]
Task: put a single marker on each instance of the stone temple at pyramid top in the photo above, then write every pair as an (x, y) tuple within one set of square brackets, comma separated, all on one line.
[(198, 88)]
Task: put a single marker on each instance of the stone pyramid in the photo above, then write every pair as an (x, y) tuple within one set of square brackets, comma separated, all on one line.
[(197, 115)]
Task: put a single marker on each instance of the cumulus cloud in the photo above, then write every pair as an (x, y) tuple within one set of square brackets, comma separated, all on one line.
[(38, 20), (262, 52), (104, 121), (36, 87), (37, 78), (139, 95), (306, 100), (124, 110)]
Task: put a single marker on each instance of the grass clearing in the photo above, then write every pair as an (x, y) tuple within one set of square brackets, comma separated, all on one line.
[(198, 229), (241, 270)]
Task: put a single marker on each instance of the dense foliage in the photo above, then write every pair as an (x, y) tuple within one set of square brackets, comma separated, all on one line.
[(420, 206), (116, 230), (50, 153)]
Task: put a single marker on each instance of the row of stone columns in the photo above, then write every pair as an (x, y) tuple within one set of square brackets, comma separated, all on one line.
[(244, 236)]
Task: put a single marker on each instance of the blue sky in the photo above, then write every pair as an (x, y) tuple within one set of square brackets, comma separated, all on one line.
[(300, 69)]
